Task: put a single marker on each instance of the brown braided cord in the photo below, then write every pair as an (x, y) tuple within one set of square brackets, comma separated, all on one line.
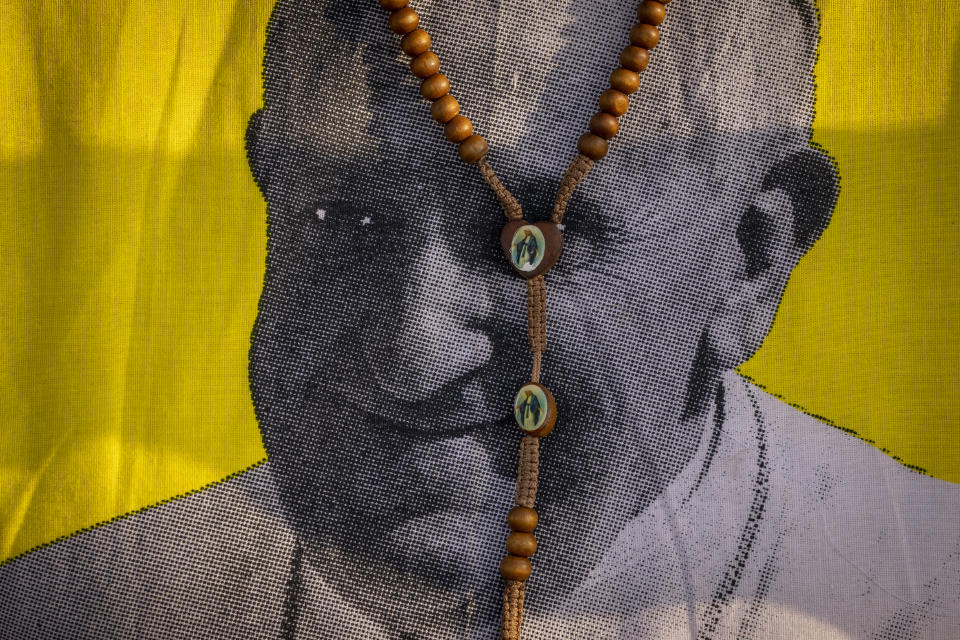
[(513, 594), (537, 314), (529, 462), (527, 469), (537, 359), (511, 208), (576, 172)]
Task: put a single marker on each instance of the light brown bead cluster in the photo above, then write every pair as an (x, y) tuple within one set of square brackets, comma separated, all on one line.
[(434, 86), (521, 544), (624, 81)]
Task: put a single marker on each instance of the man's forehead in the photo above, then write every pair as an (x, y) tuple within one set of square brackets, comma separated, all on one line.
[(528, 74)]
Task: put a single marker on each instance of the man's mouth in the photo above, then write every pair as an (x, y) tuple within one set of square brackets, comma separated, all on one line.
[(458, 409), (390, 427)]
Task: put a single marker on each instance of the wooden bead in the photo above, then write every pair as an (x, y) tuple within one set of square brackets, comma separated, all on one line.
[(520, 543), (425, 65), (458, 129), (515, 568), (644, 35), (473, 148), (393, 5), (404, 20), (444, 109), (592, 146), (634, 58), (624, 80), (435, 87), (604, 125), (614, 102), (522, 519), (415, 42), (651, 12)]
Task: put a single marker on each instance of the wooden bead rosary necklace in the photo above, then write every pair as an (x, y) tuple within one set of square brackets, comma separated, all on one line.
[(532, 250)]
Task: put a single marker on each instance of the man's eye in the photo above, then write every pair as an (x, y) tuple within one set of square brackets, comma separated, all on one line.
[(339, 216), (596, 233), (588, 243)]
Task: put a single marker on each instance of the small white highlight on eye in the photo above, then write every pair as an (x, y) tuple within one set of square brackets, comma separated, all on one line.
[(321, 214), (366, 221)]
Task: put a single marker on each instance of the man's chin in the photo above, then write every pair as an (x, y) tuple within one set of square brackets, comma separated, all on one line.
[(440, 567), (456, 549)]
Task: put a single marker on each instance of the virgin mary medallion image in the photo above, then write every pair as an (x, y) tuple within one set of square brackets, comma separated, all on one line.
[(534, 409), (527, 248), (532, 248)]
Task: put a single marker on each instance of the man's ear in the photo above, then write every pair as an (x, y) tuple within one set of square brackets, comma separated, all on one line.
[(784, 219)]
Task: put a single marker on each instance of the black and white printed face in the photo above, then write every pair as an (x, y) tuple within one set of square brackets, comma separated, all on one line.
[(392, 336)]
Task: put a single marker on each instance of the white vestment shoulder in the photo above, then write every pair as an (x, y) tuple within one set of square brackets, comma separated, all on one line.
[(782, 527)]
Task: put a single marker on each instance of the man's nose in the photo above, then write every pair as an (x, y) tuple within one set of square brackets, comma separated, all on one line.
[(429, 331)]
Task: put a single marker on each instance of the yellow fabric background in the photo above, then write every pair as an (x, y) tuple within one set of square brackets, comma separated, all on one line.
[(132, 250)]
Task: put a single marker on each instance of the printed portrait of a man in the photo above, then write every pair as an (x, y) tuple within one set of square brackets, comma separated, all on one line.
[(677, 499)]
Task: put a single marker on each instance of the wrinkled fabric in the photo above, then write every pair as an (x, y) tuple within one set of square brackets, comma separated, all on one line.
[(227, 242)]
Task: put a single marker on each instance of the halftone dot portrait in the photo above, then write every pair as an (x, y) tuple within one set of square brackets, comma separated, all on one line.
[(403, 388)]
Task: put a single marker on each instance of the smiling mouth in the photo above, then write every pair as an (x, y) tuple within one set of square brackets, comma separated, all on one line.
[(459, 408), (390, 426)]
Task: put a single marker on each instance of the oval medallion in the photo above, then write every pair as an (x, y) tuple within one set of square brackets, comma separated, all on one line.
[(531, 248), (527, 248), (534, 409)]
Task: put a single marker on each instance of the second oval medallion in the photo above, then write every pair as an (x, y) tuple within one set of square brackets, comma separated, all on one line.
[(534, 409)]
